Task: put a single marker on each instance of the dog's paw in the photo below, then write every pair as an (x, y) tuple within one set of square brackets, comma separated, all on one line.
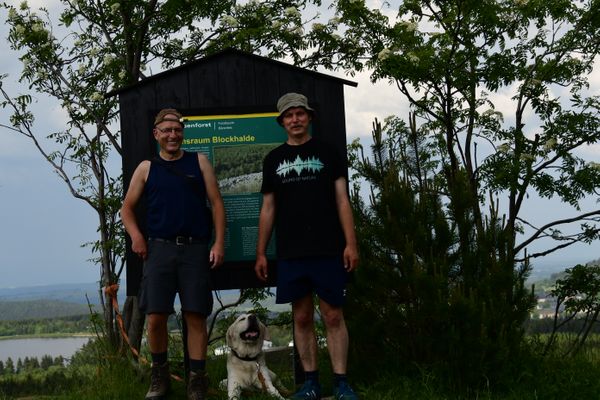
[(223, 384)]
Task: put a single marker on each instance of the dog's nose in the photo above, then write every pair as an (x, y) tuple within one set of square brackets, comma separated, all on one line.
[(252, 318)]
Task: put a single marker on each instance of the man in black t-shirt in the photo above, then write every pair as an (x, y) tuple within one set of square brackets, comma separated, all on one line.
[(305, 198)]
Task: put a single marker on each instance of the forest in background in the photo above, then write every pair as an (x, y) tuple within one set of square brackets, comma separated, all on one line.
[(47, 316), (39, 309)]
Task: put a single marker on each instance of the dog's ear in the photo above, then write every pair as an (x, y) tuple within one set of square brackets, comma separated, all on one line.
[(264, 331), (229, 336)]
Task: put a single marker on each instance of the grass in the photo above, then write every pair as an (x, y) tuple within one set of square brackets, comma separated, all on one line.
[(557, 380), (554, 377)]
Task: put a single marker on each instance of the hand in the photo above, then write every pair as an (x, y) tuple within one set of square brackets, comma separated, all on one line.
[(350, 258), (139, 247), (216, 256), (261, 268)]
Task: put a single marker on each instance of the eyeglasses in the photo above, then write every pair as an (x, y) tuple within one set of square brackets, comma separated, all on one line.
[(177, 131)]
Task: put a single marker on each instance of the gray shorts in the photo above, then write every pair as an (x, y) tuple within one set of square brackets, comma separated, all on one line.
[(171, 269)]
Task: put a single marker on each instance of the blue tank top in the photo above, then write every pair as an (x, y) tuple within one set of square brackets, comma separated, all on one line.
[(174, 206)]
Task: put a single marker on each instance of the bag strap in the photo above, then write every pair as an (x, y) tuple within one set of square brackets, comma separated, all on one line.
[(190, 181), (176, 171)]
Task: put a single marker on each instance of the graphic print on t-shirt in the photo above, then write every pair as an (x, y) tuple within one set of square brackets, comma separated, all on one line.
[(311, 164)]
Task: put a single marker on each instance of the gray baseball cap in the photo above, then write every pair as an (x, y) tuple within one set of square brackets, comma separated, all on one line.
[(290, 100)]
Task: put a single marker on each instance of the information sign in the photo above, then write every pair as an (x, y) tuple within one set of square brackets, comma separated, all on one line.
[(236, 146)]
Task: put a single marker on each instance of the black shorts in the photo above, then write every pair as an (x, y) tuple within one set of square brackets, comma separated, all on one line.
[(171, 269), (325, 276)]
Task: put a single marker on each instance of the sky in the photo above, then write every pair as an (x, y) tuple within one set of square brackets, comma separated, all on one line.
[(42, 227)]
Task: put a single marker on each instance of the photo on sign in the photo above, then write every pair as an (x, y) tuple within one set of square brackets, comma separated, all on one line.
[(239, 168)]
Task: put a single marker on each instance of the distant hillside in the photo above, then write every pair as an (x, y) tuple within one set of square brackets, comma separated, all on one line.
[(545, 284), (70, 293), (53, 301), (39, 309), (541, 272), (543, 269), (49, 301)]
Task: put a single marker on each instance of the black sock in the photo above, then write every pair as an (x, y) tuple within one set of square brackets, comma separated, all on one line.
[(339, 378), (197, 365), (159, 358), (312, 376)]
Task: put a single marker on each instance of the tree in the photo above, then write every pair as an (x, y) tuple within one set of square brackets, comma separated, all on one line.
[(46, 362), (578, 292), (541, 52), (26, 364), (59, 361), (433, 303), (464, 160), (105, 45), (9, 367)]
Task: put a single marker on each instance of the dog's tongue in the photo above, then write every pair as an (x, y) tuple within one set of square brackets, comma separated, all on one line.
[(251, 334)]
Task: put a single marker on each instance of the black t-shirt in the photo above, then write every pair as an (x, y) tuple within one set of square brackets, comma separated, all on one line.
[(302, 180)]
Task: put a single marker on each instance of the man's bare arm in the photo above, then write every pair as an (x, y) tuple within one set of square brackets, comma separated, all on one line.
[(134, 193), (217, 252), (347, 221), (265, 228)]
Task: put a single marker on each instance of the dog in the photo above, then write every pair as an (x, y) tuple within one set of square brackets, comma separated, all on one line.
[(246, 367)]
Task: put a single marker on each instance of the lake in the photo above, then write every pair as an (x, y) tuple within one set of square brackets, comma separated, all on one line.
[(39, 347)]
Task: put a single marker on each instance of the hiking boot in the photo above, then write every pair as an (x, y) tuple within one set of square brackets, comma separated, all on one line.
[(160, 382), (311, 390), (197, 386), (344, 392)]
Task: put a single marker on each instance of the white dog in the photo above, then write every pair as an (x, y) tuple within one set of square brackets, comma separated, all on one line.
[(246, 367)]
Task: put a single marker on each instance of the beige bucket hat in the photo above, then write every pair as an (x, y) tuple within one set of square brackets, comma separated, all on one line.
[(290, 100)]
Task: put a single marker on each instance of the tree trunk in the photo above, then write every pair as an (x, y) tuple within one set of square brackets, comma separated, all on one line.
[(133, 320)]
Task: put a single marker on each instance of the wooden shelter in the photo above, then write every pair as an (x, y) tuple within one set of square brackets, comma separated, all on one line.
[(229, 82)]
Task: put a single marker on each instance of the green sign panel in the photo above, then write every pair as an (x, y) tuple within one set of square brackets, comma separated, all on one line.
[(236, 146)]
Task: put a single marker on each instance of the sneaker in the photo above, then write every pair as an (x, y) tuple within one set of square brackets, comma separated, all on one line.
[(197, 386), (160, 382), (311, 390), (344, 392)]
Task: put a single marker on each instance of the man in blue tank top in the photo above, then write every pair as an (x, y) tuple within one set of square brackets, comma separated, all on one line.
[(176, 186), (305, 198)]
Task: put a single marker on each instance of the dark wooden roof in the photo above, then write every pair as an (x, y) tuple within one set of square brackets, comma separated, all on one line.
[(225, 53)]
